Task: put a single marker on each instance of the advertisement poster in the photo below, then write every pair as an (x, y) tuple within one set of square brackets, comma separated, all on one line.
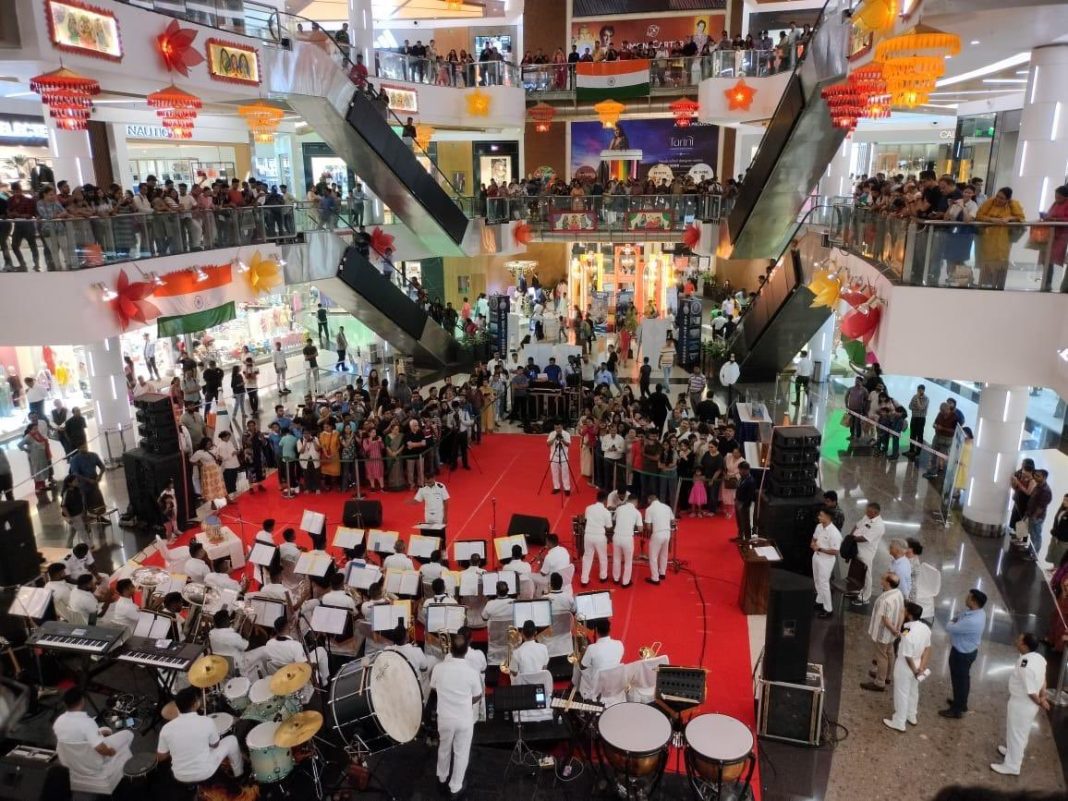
[(666, 150), (84, 29), (587, 32), (573, 221), (233, 62), (495, 168), (649, 220)]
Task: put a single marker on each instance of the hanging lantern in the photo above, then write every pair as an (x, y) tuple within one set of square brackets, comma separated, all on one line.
[(913, 63), (177, 109), (684, 110), (542, 114), (911, 45), (608, 112), (68, 96), (262, 120), (454, 5), (423, 132), (875, 15)]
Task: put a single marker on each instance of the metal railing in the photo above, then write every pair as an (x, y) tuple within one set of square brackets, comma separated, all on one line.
[(670, 72), (650, 213), (1021, 257), (245, 18), (440, 72)]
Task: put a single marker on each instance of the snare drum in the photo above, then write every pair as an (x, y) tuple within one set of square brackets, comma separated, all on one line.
[(270, 763), (377, 699), (634, 739), (260, 691), (223, 721), (139, 767), (719, 749), (235, 692)]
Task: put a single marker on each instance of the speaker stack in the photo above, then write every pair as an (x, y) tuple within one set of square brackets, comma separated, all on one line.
[(787, 512), (147, 475), (155, 423), (794, 466), (21, 562)]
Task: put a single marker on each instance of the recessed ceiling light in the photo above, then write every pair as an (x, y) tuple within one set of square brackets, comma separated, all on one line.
[(1004, 80), (974, 41), (1022, 72), (989, 69)]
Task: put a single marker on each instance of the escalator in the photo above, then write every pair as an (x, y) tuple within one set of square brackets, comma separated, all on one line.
[(314, 81), (796, 148)]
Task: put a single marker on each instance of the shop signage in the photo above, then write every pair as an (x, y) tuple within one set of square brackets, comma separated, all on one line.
[(25, 131), (233, 62), (84, 29), (401, 99), (137, 131)]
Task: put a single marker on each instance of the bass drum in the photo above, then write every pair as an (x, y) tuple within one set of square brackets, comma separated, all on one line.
[(377, 702)]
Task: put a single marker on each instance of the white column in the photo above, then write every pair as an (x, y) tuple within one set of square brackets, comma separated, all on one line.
[(821, 349), (1043, 143), (995, 451), (120, 155), (836, 181), (111, 407), (72, 159), (362, 33)]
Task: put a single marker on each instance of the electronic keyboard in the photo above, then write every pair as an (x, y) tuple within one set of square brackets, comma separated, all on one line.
[(575, 706), (176, 656), (59, 636)]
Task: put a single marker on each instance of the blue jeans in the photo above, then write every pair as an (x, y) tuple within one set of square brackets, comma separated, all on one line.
[(1034, 528)]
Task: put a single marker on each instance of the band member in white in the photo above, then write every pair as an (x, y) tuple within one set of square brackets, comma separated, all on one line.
[(559, 441), (281, 650), (192, 743), (595, 541), (556, 560), (658, 518), (1027, 694), (459, 690), (75, 727), (913, 651), (531, 655), (826, 540), (868, 533), (628, 522), (605, 653), (435, 500)]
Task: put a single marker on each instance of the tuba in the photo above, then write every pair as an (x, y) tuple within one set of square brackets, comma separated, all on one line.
[(649, 651)]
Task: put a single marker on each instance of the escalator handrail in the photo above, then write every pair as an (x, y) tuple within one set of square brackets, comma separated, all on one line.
[(275, 27)]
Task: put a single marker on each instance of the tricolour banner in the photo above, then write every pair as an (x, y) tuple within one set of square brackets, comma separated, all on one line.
[(618, 80)]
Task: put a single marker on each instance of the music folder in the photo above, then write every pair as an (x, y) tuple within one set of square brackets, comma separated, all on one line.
[(267, 610), (384, 617), (503, 546), (262, 554), (330, 619), (463, 549), (593, 605), (445, 617), (346, 537), (31, 602), (540, 611), (421, 546), (470, 584), (152, 626), (362, 576), (313, 563), (381, 541), (489, 582), (402, 582), (312, 522)]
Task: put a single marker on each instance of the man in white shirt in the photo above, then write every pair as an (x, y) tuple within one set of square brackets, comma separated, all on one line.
[(338, 596), (901, 566), (559, 442), (82, 600), (613, 447), (628, 522), (500, 607), (78, 562), (459, 689), (516, 563), (531, 655), (281, 650), (398, 560), (75, 727), (562, 599), (435, 500), (1027, 694), (410, 651), (438, 596), (605, 653), (556, 560), (887, 618), (658, 519), (289, 551), (433, 568), (803, 374), (59, 586), (910, 668), (122, 611), (868, 533), (595, 541), (221, 580), (225, 641), (476, 603), (826, 540), (274, 588), (196, 566), (278, 359), (192, 743)]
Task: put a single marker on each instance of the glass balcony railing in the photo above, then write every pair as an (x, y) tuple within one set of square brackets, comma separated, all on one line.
[(1020, 257), (243, 17), (669, 72), (638, 213), (439, 72)]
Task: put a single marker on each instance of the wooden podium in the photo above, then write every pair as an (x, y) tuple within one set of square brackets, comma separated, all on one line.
[(756, 576)]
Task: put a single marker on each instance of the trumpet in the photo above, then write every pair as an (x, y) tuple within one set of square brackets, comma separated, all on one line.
[(514, 640), (650, 651)]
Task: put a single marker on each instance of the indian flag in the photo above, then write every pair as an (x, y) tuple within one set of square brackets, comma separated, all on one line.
[(196, 299), (618, 80)]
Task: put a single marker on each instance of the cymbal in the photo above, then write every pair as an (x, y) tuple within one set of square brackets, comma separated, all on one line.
[(290, 678), (208, 671), (149, 576), (298, 729)]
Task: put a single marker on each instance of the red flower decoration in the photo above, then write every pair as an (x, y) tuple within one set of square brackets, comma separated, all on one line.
[(380, 240), (740, 96), (131, 304), (855, 297), (862, 324), (691, 236), (522, 233), (175, 46)]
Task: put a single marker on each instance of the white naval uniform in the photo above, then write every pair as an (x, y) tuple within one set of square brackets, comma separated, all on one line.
[(628, 521), (598, 521), (556, 560), (458, 686), (605, 653), (196, 751), (433, 499), (558, 461), (830, 538), (529, 657), (1028, 677), (872, 530), (658, 517), (915, 639)]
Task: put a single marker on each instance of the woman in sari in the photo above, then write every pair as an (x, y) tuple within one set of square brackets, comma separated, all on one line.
[(394, 445), (588, 435), (373, 449), (212, 487), (330, 454)]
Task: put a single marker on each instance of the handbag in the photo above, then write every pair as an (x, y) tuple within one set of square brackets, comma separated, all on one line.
[(1022, 530), (1038, 237), (731, 482)]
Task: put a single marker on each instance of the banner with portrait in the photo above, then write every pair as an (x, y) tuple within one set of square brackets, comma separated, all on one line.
[(79, 28), (233, 62), (652, 220), (586, 33), (577, 221), (666, 151)]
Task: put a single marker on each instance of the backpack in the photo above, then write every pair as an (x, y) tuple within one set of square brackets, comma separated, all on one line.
[(848, 549)]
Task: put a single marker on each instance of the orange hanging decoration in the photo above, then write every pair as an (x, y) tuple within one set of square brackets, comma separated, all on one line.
[(684, 110), (262, 120), (68, 96), (177, 110), (542, 114)]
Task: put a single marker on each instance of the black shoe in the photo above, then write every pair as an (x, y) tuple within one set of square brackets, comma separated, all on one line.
[(556, 492), (824, 614), (567, 493), (950, 713), (443, 788), (650, 581)]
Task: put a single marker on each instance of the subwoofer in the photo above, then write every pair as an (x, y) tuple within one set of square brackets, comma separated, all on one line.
[(147, 475), (788, 627), (20, 562), (789, 523), (534, 529)]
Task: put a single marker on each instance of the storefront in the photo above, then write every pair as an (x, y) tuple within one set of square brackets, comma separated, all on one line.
[(150, 151), (985, 147), (23, 146)]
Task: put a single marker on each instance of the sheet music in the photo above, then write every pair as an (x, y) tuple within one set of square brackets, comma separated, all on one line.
[(384, 616), (312, 522), (330, 619), (31, 602), (362, 576), (445, 617), (438, 527), (346, 537), (152, 626), (769, 552), (267, 611), (262, 554), (381, 541), (503, 545), (452, 581), (462, 550), (540, 611), (313, 563), (402, 582), (469, 584), (489, 582), (420, 546), (593, 605)]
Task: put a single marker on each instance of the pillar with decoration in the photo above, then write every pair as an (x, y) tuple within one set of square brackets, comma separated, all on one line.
[(362, 33), (111, 406)]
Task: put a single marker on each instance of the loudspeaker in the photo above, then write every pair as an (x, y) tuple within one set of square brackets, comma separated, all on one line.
[(31, 780), (781, 456), (789, 523), (787, 473), (20, 562), (534, 529), (370, 511), (803, 488), (793, 712), (155, 423), (794, 437), (147, 475), (789, 624)]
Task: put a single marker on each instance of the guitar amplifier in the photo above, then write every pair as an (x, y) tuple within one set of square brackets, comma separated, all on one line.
[(32, 774), (792, 713)]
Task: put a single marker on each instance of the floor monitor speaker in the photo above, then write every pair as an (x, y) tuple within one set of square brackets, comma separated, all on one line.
[(788, 627)]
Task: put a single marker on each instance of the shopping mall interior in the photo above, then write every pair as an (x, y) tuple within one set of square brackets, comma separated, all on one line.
[(541, 399)]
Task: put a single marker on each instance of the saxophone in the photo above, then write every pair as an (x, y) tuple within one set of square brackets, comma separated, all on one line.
[(514, 639)]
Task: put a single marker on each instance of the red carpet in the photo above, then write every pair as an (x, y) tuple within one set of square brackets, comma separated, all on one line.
[(509, 467)]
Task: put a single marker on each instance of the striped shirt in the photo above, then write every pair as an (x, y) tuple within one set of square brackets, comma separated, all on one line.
[(696, 383)]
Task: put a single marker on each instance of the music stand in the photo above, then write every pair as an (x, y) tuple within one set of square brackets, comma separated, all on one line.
[(519, 698), (677, 690)]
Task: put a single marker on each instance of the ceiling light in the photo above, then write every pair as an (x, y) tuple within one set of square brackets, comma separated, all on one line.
[(1022, 72), (1005, 80), (107, 294), (989, 69), (974, 41)]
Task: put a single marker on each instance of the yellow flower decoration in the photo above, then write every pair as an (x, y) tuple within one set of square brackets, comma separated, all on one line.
[(827, 287), (264, 274), (478, 103)]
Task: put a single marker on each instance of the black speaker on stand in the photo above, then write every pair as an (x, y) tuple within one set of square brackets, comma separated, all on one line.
[(20, 562), (155, 423), (534, 529), (789, 523), (788, 627), (147, 475), (794, 464)]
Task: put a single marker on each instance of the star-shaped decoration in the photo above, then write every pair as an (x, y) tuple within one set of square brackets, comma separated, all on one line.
[(264, 274), (740, 96), (827, 287), (478, 103)]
